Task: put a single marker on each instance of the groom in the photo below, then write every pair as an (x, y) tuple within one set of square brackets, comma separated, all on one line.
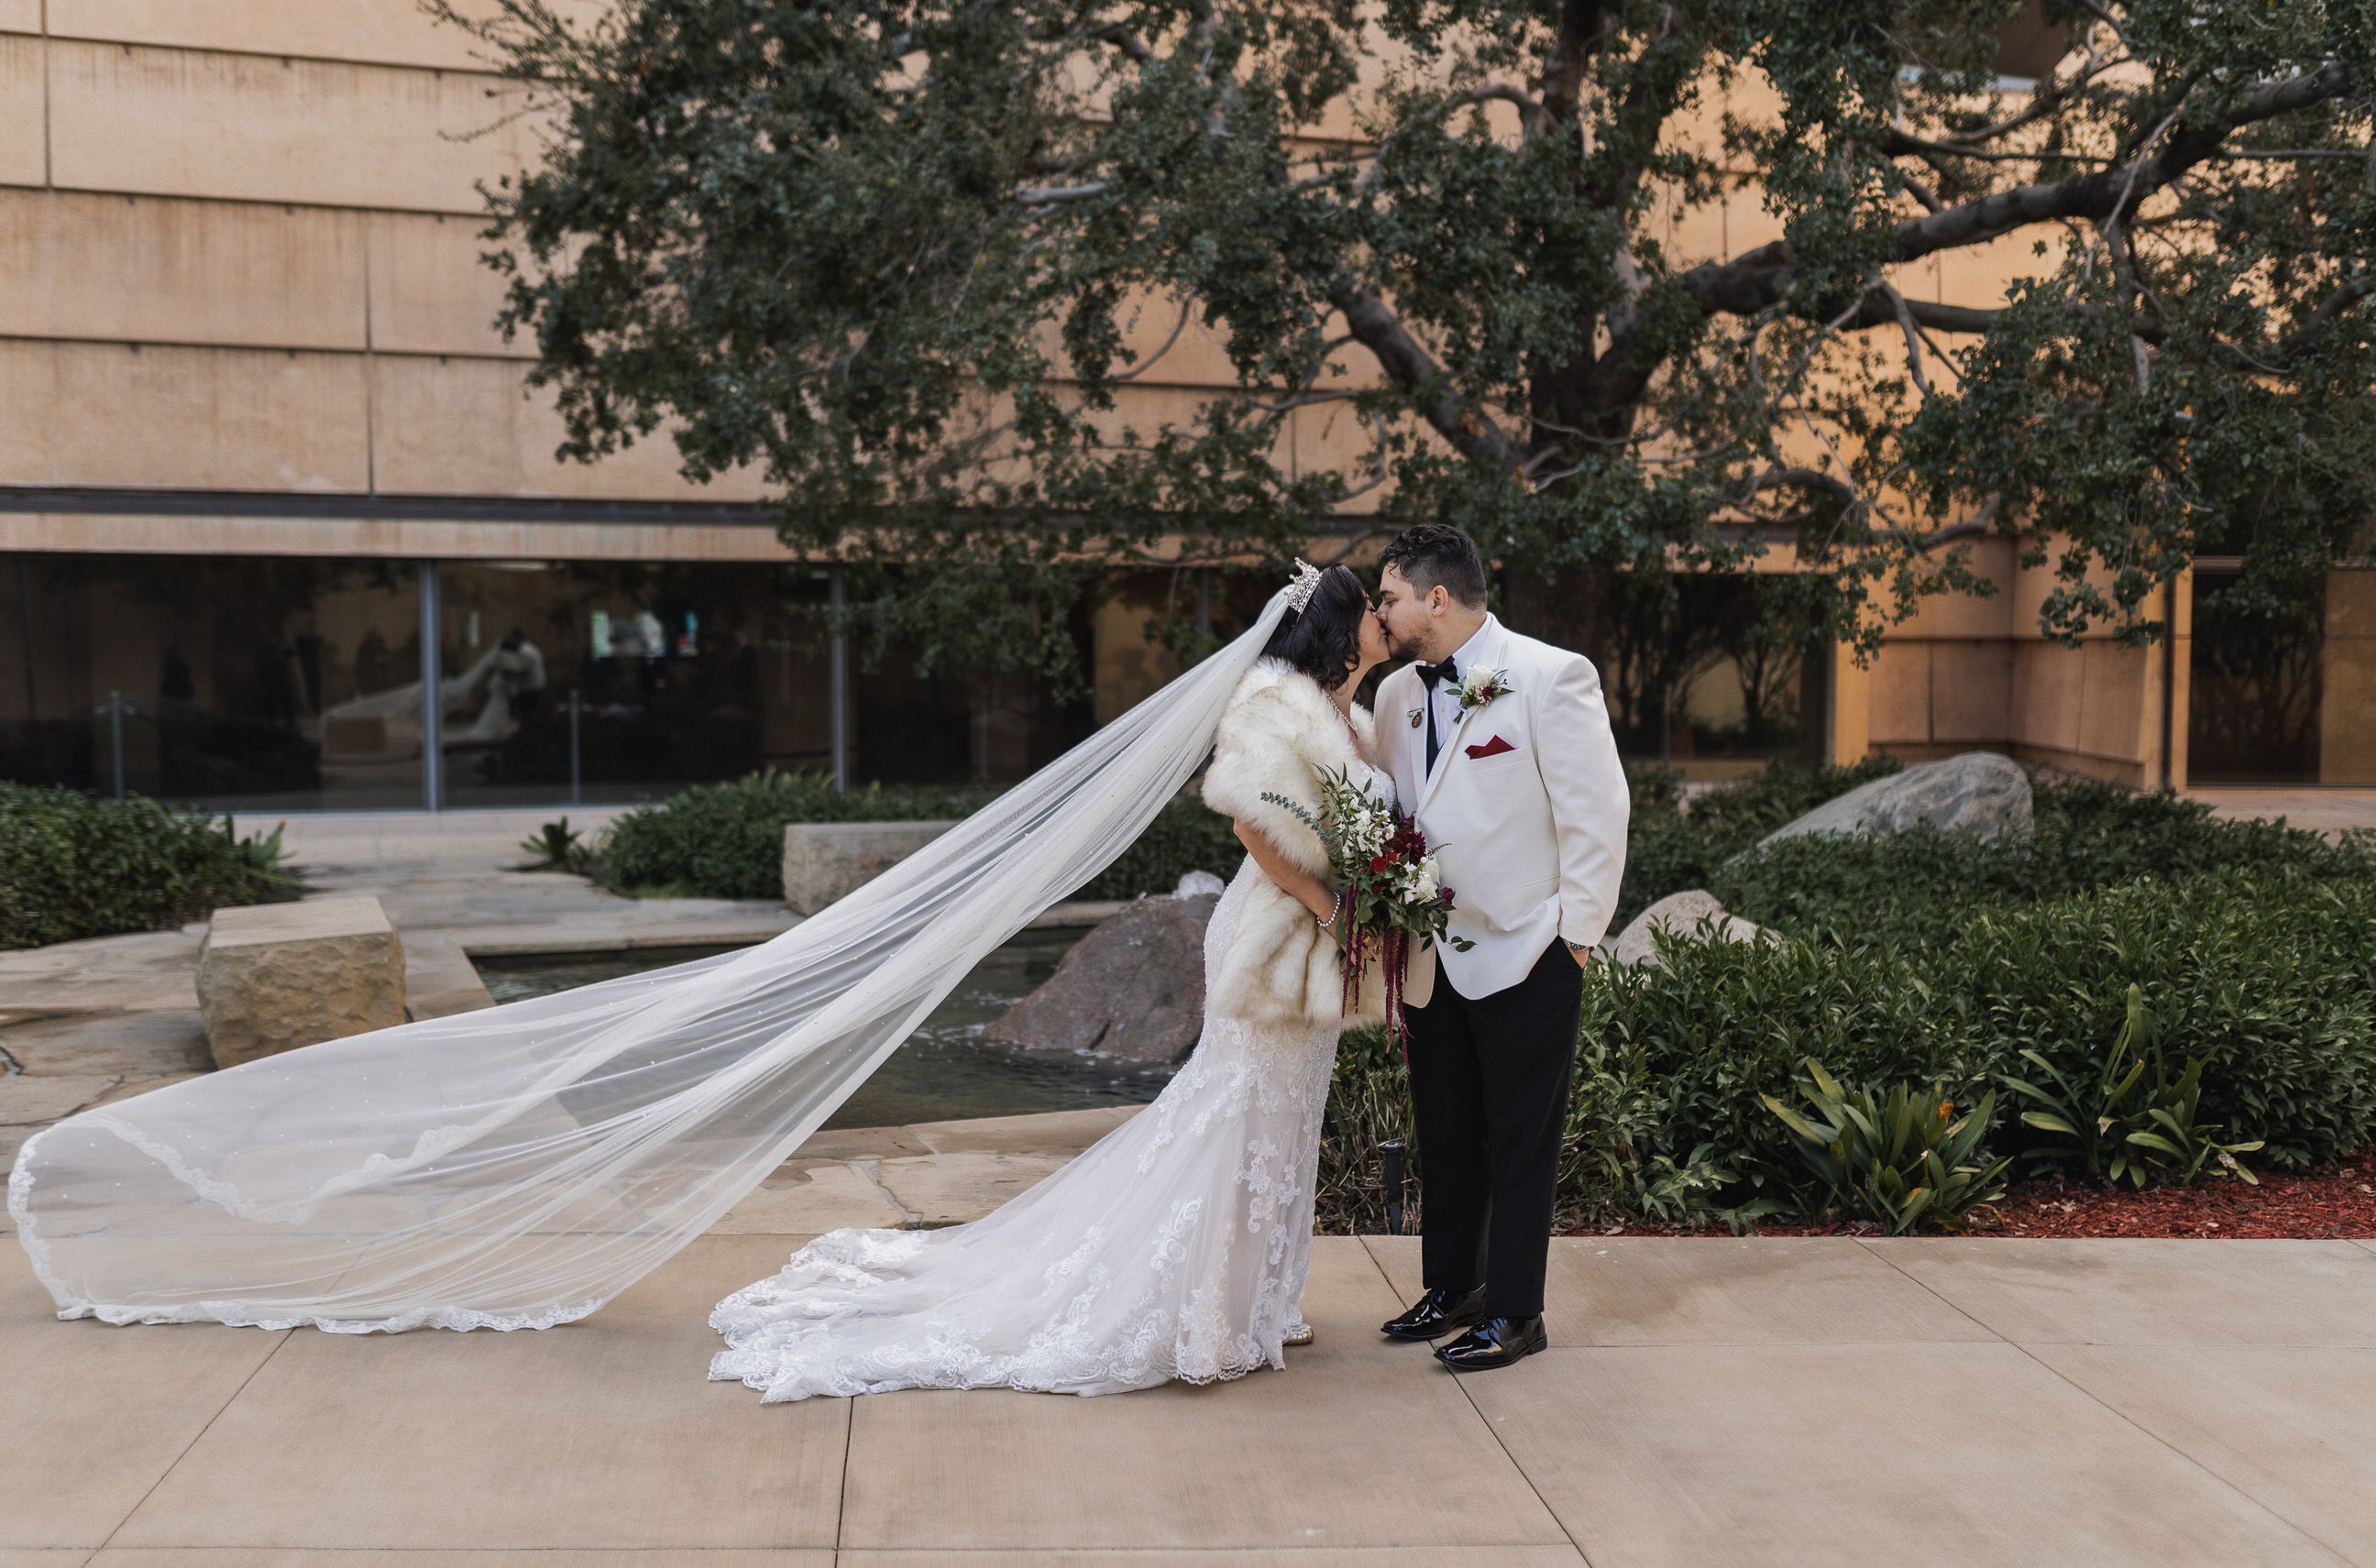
[(1501, 748)]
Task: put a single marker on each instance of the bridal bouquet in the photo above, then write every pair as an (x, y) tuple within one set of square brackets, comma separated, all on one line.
[(1390, 884)]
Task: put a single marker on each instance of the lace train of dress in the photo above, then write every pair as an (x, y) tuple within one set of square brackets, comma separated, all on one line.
[(1175, 1248)]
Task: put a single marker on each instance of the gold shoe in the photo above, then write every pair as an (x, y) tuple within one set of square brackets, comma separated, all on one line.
[(1300, 1335)]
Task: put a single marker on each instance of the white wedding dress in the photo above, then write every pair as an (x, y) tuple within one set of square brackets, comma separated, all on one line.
[(1175, 1248)]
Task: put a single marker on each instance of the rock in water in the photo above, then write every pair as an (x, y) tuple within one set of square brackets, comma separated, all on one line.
[(1134, 988), (1981, 792), (1680, 913)]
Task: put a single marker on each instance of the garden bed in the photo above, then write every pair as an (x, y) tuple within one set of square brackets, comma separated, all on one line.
[(2331, 1205)]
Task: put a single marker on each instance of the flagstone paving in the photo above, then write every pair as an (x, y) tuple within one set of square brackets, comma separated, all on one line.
[(1705, 1402)]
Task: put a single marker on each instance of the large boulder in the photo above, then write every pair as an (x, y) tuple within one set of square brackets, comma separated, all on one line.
[(1134, 988), (825, 860), (1978, 792), (274, 977), (1679, 914)]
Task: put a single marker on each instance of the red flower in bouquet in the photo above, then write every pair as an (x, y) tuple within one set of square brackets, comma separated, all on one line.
[(1391, 894)]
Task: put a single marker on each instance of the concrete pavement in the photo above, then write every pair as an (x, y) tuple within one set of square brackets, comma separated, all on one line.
[(1706, 1402)]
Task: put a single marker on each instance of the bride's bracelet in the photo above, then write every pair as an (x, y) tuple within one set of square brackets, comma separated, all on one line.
[(1335, 906)]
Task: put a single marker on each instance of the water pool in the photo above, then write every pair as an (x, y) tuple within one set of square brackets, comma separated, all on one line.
[(943, 1072)]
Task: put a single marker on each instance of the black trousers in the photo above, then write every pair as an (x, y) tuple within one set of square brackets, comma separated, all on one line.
[(1490, 1083)]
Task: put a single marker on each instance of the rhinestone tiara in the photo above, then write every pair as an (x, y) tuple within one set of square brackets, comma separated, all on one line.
[(1300, 586)]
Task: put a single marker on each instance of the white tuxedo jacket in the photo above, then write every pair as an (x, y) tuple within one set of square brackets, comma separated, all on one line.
[(1531, 840)]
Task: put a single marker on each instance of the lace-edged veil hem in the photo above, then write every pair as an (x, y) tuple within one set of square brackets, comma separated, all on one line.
[(518, 1167)]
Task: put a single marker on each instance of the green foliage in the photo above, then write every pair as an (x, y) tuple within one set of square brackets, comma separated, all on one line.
[(2125, 1123), (727, 841), (905, 260), (1186, 836), (557, 847), (74, 866), (1920, 885), (2236, 960), (1901, 1157), (2268, 976), (1369, 1104), (1669, 849)]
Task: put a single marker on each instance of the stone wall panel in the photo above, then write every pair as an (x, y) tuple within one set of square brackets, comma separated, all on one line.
[(23, 127), (2046, 695), (1898, 695), (389, 33), (180, 418), (150, 269), (455, 426), (430, 293), (1971, 692), (174, 122)]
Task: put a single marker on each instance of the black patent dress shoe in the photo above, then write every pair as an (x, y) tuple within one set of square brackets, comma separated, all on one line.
[(1437, 1311), (1494, 1342)]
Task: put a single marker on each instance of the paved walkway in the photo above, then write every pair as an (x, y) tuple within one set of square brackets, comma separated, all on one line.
[(2322, 810), (1706, 1404)]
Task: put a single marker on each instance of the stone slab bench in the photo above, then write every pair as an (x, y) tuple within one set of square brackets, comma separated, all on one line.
[(273, 977), (825, 860)]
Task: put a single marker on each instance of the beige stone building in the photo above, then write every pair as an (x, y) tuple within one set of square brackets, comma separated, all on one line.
[(260, 446)]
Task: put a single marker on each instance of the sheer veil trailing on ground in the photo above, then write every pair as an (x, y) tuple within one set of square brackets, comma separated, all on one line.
[(517, 1168)]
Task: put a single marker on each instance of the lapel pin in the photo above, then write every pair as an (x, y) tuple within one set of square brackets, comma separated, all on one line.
[(1415, 715)]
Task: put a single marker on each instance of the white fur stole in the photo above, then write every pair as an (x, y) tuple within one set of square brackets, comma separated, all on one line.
[(1279, 734)]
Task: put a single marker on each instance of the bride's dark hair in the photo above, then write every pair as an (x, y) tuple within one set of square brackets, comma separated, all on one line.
[(1324, 640)]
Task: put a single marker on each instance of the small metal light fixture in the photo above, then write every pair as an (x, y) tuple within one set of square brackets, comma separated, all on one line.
[(1389, 1176)]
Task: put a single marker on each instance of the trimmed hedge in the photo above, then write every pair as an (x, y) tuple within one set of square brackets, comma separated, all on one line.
[(72, 866), (727, 841), (1933, 958)]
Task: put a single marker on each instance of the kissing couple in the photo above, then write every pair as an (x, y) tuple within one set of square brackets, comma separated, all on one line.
[(515, 1168)]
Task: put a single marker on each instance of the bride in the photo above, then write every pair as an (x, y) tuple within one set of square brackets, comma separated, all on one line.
[(1177, 1246), (517, 1168)]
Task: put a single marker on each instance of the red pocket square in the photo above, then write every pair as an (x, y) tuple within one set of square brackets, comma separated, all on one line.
[(1493, 747)]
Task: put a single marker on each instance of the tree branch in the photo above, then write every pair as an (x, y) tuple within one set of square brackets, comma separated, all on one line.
[(1133, 47), (1751, 282), (1472, 433), (2101, 196), (1580, 27)]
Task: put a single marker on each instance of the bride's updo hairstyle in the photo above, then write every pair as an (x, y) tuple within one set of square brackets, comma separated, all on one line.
[(1324, 640)]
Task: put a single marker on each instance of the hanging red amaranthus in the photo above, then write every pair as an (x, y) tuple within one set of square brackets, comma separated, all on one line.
[(1388, 881)]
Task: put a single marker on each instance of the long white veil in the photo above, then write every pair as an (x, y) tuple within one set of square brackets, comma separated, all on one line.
[(517, 1168)]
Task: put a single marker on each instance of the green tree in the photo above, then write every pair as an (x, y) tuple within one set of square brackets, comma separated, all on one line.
[(890, 252)]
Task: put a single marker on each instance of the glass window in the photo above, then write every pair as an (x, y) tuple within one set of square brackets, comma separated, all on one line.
[(2282, 692), (634, 679), (242, 682)]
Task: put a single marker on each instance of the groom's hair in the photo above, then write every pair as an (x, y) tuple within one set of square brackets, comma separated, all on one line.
[(1438, 555)]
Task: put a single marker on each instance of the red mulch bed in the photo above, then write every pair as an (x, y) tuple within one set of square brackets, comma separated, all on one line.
[(2320, 1206)]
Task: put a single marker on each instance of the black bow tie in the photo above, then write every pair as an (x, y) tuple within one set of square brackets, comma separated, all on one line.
[(1431, 674)]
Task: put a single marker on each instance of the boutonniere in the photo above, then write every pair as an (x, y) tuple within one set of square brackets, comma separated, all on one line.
[(1482, 685)]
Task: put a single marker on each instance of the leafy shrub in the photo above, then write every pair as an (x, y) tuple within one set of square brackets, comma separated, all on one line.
[(2262, 981), (1922, 886), (1186, 835), (2268, 976), (727, 841), (1669, 849), (1369, 1104), (1902, 1156), (72, 866), (2132, 1119)]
